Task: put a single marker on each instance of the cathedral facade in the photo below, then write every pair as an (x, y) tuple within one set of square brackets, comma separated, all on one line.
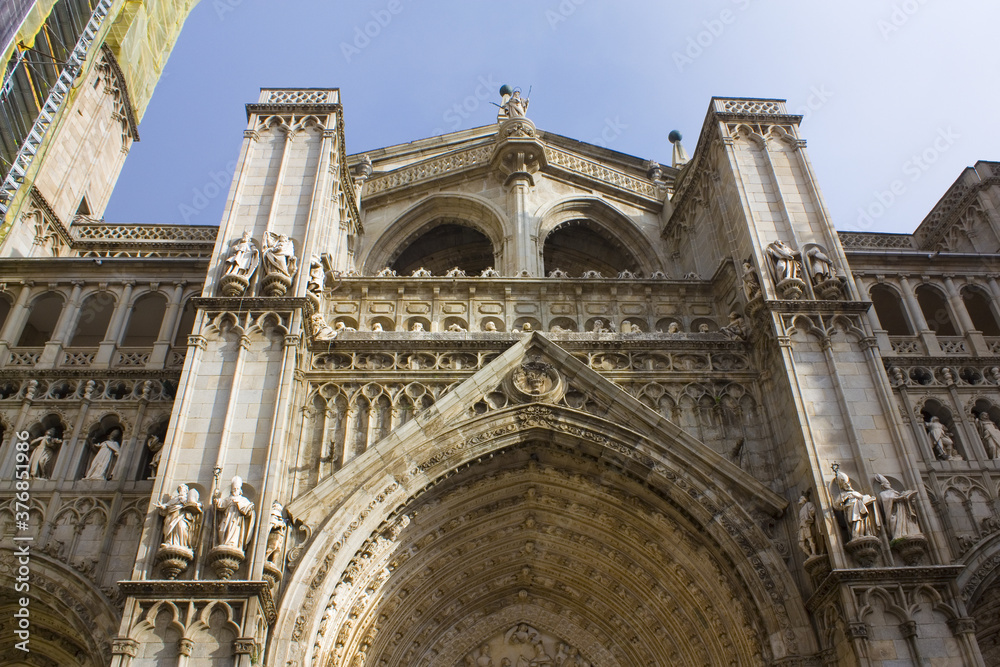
[(498, 397)]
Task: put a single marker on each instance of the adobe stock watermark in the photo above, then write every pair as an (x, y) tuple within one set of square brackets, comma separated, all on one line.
[(913, 169), (900, 15), (485, 91), (218, 183), (703, 40), (816, 100), (22, 538), (364, 34), (612, 129), (223, 7), (562, 12)]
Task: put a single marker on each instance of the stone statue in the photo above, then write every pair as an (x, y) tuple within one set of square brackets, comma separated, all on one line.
[(456, 328), (321, 330), (244, 258), (899, 511), (516, 106), (276, 533), (377, 327), (809, 540), (673, 328), (107, 451), (181, 514), (859, 509), (234, 516), (751, 283), (489, 326), (43, 454), (940, 438), (279, 255), (703, 328), (317, 276), (989, 434), (155, 446), (737, 328), (785, 261), (417, 327), (820, 266)]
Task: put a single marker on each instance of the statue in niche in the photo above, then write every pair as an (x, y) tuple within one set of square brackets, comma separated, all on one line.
[(941, 440), (785, 261), (809, 539), (181, 515), (45, 448), (522, 633), (820, 266), (234, 516), (244, 258), (155, 445), (490, 326), (899, 511), (107, 452), (859, 509), (673, 328), (751, 283), (456, 328), (279, 255), (276, 534), (988, 433), (377, 327), (317, 277)]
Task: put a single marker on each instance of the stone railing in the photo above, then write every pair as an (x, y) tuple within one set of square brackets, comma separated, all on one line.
[(866, 240), (484, 305), (904, 345), (300, 96), (750, 106)]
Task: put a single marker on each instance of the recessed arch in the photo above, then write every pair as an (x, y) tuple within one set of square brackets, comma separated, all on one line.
[(143, 328), (475, 214), (44, 315), (587, 233), (981, 310), (890, 311), (936, 311), (93, 320), (520, 465)]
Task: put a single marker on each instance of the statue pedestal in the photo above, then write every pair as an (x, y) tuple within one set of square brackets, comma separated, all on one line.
[(275, 284), (864, 550), (754, 305), (225, 560), (173, 560), (830, 289), (791, 289), (272, 573), (233, 285), (911, 549), (817, 567)]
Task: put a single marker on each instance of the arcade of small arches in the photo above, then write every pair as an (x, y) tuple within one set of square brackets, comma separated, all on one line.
[(97, 327), (903, 308)]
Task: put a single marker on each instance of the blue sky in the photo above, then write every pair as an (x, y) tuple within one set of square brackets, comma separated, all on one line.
[(897, 95)]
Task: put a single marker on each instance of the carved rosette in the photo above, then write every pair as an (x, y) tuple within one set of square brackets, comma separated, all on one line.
[(173, 560), (864, 550), (233, 285), (911, 549), (535, 381), (225, 560), (275, 284)]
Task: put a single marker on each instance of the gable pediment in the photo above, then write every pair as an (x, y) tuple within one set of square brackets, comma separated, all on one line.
[(537, 391)]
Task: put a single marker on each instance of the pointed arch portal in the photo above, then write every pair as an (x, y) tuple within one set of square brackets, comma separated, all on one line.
[(539, 529)]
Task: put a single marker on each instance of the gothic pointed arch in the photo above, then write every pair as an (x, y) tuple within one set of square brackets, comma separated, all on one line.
[(443, 539), (587, 233), (466, 218)]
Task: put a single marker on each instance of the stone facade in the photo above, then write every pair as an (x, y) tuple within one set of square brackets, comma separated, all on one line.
[(505, 398)]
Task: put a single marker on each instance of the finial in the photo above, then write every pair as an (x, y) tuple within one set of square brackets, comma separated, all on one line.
[(680, 156)]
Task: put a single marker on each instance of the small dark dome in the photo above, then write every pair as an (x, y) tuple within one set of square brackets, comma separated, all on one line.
[(505, 89), (674, 136)]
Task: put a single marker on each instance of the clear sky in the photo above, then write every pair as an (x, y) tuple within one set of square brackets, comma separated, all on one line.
[(898, 95)]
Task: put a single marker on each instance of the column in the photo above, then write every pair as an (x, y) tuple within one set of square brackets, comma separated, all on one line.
[(106, 350), (974, 339), (917, 316)]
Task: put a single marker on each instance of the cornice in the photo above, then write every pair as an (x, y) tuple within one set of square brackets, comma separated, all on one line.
[(874, 576), (166, 589)]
